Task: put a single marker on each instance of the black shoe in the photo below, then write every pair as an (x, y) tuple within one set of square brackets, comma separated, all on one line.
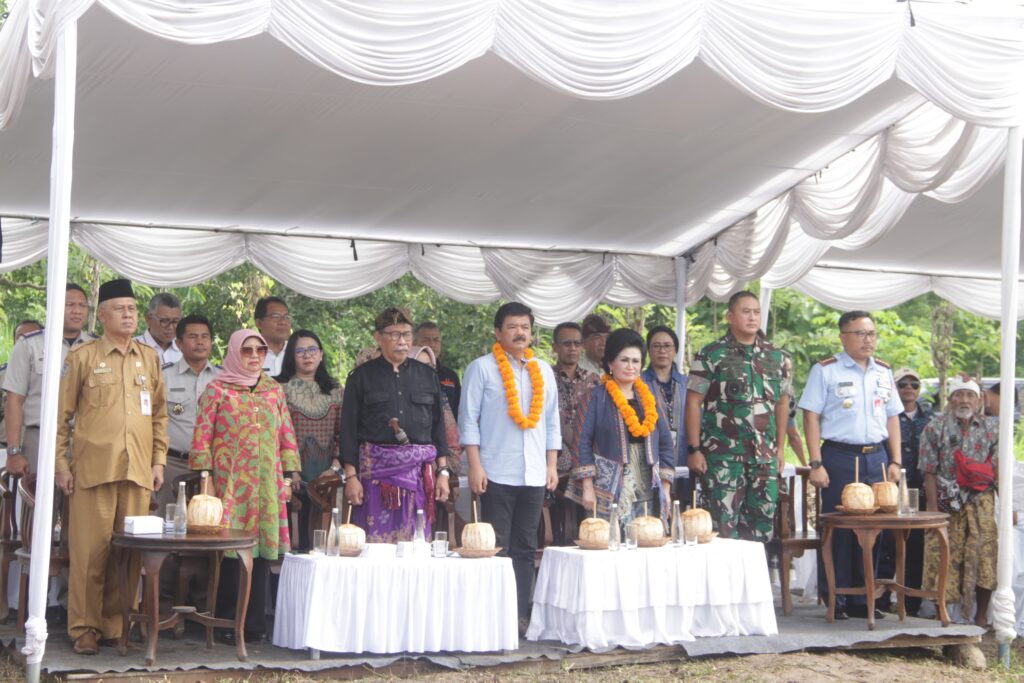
[(840, 614), (861, 612), (228, 637), (56, 615)]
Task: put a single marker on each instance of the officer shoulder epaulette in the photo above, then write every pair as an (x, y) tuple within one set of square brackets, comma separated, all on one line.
[(166, 365), (78, 347), (34, 333), (879, 361), (828, 361)]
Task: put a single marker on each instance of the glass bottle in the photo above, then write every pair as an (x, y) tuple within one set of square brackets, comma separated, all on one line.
[(334, 535), (181, 512), (421, 527), (677, 524), (903, 502), (614, 533)]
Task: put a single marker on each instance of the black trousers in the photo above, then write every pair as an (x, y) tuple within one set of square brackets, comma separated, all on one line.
[(227, 594), (514, 512), (846, 555)]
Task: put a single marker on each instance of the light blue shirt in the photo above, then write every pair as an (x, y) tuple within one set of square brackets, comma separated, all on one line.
[(853, 404), (510, 455)]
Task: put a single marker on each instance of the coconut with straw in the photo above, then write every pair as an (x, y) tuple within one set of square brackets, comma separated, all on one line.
[(858, 497), (478, 535)]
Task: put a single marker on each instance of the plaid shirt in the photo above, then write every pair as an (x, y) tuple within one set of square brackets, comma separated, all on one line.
[(571, 393)]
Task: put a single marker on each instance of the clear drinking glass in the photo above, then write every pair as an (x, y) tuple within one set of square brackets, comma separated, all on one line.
[(319, 541), (440, 548), (170, 511), (632, 535), (913, 500)]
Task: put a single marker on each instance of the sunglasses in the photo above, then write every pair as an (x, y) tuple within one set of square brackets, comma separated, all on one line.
[(908, 385), (254, 350)]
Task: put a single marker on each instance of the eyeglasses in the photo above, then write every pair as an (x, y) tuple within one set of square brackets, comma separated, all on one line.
[(397, 336), (572, 343), (254, 350), (664, 346), (307, 351), (168, 322), (863, 334), (908, 385), (277, 317)]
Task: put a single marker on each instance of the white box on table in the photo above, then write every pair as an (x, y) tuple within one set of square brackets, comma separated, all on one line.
[(143, 524)]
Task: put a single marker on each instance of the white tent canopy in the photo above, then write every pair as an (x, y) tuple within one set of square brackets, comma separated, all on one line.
[(482, 158), (559, 152)]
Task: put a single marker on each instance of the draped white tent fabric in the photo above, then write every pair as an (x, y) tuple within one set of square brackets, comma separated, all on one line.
[(559, 152)]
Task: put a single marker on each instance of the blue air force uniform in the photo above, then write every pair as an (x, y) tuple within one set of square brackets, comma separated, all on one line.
[(853, 407)]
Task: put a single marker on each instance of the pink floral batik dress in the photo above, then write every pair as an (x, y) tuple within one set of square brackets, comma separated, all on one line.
[(246, 437)]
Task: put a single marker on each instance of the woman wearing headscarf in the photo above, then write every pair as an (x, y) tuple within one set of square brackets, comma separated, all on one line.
[(314, 402), (244, 435), (625, 447)]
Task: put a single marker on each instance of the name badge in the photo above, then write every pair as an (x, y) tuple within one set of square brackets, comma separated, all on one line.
[(147, 403), (102, 371)]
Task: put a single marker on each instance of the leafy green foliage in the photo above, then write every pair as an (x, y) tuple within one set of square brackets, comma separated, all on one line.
[(802, 326)]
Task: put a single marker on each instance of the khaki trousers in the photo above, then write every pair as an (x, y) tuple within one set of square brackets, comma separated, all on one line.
[(94, 602)]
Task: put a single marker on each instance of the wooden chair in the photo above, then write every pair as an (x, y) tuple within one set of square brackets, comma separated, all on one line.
[(323, 496), (790, 541), (10, 541), (60, 558)]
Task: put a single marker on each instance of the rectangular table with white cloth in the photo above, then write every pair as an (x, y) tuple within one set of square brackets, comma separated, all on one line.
[(602, 599), (385, 604)]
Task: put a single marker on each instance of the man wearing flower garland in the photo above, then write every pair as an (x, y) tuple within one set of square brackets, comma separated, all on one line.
[(740, 382), (393, 445), (510, 428)]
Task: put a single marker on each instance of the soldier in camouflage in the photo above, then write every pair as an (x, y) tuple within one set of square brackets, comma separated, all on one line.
[(741, 383)]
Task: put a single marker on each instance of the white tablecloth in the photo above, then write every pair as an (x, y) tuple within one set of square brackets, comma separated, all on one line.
[(366, 604), (602, 599)]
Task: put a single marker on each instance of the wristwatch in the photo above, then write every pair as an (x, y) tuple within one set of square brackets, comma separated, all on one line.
[(444, 471), (692, 449), (13, 450), (815, 464)]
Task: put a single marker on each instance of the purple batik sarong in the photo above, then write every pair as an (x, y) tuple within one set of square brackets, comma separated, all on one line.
[(397, 481)]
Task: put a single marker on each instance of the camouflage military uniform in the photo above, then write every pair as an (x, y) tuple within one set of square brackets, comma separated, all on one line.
[(741, 385)]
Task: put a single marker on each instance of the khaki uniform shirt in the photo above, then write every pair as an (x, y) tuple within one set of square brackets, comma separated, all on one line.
[(184, 387), (25, 371), (101, 394)]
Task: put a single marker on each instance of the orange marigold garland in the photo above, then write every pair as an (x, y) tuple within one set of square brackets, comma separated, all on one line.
[(512, 394), (636, 428)]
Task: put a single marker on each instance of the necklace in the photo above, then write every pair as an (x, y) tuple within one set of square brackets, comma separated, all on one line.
[(636, 428), (512, 394)]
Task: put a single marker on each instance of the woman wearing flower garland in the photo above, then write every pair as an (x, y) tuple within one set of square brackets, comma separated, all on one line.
[(625, 447)]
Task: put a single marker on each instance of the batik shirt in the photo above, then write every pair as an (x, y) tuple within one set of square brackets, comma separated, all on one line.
[(978, 441), (571, 393)]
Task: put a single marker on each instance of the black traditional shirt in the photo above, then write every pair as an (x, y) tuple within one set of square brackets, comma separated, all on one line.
[(375, 392)]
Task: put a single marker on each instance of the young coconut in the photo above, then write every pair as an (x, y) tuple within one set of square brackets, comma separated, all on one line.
[(350, 536), (857, 496), (594, 531), (886, 492), (205, 510), (478, 535), (697, 522), (649, 530)]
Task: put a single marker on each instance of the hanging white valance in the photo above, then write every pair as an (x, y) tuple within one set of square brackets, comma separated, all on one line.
[(850, 204), (800, 55)]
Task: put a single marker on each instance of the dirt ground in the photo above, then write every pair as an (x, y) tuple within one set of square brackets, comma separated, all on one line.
[(914, 665)]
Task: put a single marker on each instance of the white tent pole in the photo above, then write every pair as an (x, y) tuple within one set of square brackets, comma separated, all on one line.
[(1003, 600), (766, 307), (56, 280), (682, 275)]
